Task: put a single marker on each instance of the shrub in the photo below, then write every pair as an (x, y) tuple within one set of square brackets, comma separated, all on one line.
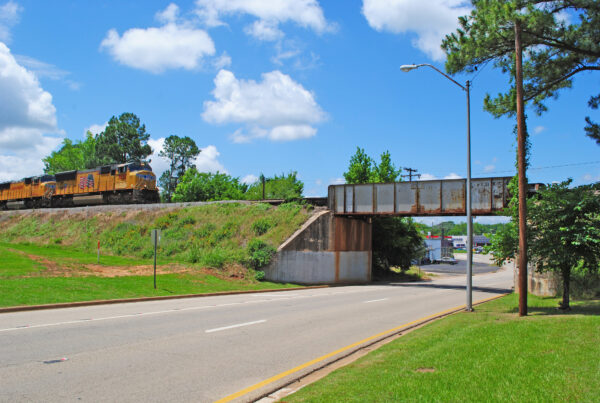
[(261, 226), (259, 253), (259, 275), (187, 220), (215, 258)]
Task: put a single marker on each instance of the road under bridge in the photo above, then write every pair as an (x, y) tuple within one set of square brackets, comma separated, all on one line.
[(335, 246)]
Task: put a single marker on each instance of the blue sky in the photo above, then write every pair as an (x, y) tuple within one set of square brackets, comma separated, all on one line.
[(269, 87)]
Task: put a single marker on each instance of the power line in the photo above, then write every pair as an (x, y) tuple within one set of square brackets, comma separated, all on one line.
[(410, 174), (573, 164)]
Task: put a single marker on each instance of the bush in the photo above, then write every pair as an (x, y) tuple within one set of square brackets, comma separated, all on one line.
[(214, 258), (259, 275), (261, 226), (259, 253)]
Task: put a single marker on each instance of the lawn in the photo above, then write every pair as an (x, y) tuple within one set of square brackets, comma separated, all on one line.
[(49, 256), (489, 355), (33, 274)]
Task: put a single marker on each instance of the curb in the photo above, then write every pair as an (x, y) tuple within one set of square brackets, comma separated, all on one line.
[(22, 308)]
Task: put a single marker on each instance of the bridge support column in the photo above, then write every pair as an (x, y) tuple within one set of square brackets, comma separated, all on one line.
[(326, 250)]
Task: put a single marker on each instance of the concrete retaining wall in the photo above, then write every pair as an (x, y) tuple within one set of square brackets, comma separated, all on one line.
[(326, 250), (540, 284)]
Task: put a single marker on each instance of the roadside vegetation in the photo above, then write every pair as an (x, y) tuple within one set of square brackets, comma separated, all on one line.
[(51, 256), (396, 241), (489, 355)]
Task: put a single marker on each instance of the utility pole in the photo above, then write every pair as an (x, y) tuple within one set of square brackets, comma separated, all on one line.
[(521, 167), (410, 174), (262, 180)]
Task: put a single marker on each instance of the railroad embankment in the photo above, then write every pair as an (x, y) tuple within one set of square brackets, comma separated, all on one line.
[(51, 255)]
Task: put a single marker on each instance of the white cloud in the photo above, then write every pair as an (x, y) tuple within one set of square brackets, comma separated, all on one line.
[(27, 116), (277, 108), (96, 129), (47, 70), (591, 178), (269, 14), (538, 129), (427, 177), (222, 61), (337, 181), (207, 160), (489, 168), (169, 14), (430, 20), (452, 175), (264, 30), (158, 163), (171, 46), (249, 179), (9, 16)]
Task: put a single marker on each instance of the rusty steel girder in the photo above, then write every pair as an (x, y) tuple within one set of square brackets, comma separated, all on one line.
[(422, 198)]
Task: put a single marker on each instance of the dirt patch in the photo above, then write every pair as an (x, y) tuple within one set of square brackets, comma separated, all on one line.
[(74, 269), (423, 370), (141, 270)]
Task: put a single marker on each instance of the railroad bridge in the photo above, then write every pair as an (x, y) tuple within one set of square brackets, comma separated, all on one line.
[(334, 246)]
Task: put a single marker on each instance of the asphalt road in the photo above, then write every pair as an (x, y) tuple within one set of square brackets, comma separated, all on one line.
[(204, 349), (481, 264)]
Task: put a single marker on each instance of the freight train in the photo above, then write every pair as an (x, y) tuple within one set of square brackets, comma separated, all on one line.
[(132, 182)]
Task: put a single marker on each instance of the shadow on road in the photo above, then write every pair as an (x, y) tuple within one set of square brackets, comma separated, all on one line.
[(452, 287)]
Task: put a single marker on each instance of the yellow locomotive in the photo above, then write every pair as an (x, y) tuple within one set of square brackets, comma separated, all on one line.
[(132, 182)]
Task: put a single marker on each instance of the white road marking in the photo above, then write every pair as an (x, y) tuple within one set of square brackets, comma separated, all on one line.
[(218, 329), (376, 300), (192, 308)]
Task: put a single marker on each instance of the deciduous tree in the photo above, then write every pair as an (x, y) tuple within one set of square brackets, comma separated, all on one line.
[(287, 187), (565, 227), (360, 169), (181, 152), (72, 156), (124, 140), (203, 186)]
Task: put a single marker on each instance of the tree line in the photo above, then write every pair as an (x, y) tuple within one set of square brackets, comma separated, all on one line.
[(125, 139)]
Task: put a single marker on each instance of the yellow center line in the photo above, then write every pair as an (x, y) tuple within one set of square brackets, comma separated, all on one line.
[(341, 350)]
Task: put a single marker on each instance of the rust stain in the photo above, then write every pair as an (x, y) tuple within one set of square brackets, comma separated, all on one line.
[(337, 266)]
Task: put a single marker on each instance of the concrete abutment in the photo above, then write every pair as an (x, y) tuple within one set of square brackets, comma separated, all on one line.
[(327, 250)]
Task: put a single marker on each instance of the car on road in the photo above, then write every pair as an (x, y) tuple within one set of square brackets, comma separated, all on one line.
[(448, 260)]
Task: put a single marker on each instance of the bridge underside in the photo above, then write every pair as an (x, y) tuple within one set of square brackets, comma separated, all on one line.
[(489, 196)]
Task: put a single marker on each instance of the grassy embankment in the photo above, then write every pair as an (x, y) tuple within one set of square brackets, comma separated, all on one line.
[(49, 257), (486, 356)]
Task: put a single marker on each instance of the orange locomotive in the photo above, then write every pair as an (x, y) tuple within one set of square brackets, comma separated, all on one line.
[(109, 184)]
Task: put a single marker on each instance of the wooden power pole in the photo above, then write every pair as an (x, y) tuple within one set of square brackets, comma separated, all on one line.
[(521, 168), (410, 174)]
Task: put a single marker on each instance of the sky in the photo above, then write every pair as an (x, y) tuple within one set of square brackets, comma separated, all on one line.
[(270, 87)]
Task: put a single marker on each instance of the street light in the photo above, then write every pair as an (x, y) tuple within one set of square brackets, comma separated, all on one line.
[(409, 67)]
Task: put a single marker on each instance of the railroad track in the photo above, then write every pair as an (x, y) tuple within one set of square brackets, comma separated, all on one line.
[(315, 201)]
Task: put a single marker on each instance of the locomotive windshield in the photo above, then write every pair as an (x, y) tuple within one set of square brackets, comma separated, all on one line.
[(47, 178), (139, 167)]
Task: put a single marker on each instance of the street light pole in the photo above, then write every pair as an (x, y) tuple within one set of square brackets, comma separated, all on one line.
[(467, 88)]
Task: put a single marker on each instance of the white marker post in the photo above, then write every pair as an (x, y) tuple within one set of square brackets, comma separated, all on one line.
[(98, 251), (155, 240)]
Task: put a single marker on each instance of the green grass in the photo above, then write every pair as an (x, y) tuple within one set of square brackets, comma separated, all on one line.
[(48, 290), (486, 356), (213, 235), (67, 254), (17, 265), (43, 255)]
